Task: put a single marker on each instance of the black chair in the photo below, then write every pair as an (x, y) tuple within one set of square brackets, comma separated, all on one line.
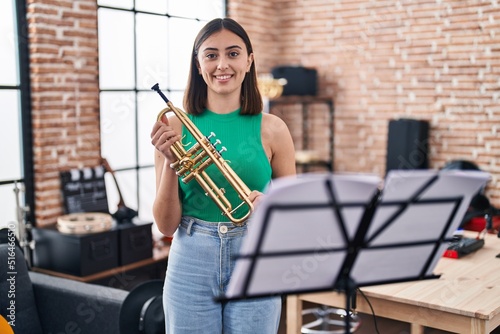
[(480, 205), (48, 304)]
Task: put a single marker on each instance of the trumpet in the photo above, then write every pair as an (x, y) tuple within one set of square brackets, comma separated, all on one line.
[(191, 164)]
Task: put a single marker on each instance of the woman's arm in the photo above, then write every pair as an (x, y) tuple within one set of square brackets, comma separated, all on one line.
[(279, 146), (167, 207)]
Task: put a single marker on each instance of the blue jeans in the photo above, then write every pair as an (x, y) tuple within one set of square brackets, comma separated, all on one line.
[(200, 264)]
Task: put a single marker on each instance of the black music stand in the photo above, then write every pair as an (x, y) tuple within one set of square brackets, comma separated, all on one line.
[(324, 232)]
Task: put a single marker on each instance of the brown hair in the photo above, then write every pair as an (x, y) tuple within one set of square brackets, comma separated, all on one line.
[(195, 98)]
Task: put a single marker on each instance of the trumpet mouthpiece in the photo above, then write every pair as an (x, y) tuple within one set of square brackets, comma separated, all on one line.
[(156, 88)]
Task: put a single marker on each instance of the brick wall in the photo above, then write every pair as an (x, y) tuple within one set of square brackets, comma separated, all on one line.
[(432, 60), (65, 95)]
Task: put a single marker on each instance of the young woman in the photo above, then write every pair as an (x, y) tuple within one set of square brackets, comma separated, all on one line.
[(221, 97)]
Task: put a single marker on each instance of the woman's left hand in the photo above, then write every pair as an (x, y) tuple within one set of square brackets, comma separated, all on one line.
[(255, 197)]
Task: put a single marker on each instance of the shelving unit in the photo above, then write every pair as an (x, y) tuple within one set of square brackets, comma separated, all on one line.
[(306, 157)]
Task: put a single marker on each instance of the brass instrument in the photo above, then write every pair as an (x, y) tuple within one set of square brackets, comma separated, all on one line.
[(269, 87), (191, 164)]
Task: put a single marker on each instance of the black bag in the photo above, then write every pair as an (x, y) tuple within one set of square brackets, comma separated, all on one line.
[(480, 206)]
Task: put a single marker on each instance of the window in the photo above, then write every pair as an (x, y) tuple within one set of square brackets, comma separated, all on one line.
[(141, 43), (15, 128)]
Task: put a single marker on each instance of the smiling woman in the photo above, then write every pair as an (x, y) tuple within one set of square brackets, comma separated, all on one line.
[(221, 97)]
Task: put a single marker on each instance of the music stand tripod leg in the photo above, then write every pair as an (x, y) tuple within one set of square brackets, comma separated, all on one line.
[(350, 300)]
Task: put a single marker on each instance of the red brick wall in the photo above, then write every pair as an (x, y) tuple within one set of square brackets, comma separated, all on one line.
[(65, 95), (432, 60), (379, 60)]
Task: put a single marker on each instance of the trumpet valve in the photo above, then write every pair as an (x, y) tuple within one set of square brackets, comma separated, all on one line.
[(186, 163), (222, 191)]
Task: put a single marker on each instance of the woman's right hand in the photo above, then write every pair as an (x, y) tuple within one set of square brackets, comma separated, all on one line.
[(163, 136)]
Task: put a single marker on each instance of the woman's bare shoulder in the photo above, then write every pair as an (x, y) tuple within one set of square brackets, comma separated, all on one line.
[(270, 121)]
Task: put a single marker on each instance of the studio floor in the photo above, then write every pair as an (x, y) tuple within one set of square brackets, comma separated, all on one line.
[(384, 326)]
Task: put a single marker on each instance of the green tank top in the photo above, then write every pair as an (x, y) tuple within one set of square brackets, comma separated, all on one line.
[(241, 135)]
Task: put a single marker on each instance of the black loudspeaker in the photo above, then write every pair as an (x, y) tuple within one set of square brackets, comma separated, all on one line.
[(300, 80), (407, 144)]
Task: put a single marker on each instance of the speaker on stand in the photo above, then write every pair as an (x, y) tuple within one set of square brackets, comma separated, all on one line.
[(407, 144)]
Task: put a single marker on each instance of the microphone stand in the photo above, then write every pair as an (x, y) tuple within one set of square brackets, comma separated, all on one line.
[(23, 231)]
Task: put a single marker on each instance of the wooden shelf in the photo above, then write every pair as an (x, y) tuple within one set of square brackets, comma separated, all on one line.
[(307, 157)]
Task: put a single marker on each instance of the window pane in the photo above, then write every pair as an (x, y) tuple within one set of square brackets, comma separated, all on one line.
[(208, 10), (181, 37), (185, 8), (176, 98), (150, 104), (10, 128), (118, 128), (152, 57), (200, 9), (147, 191), (8, 208), (8, 45), (128, 187), (153, 6), (126, 4), (116, 49)]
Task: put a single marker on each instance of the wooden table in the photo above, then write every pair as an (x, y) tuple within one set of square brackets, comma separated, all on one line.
[(465, 299)]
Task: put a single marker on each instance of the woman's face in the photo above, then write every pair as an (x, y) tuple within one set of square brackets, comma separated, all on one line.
[(223, 61)]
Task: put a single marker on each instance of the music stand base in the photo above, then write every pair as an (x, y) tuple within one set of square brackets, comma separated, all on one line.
[(329, 320)]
